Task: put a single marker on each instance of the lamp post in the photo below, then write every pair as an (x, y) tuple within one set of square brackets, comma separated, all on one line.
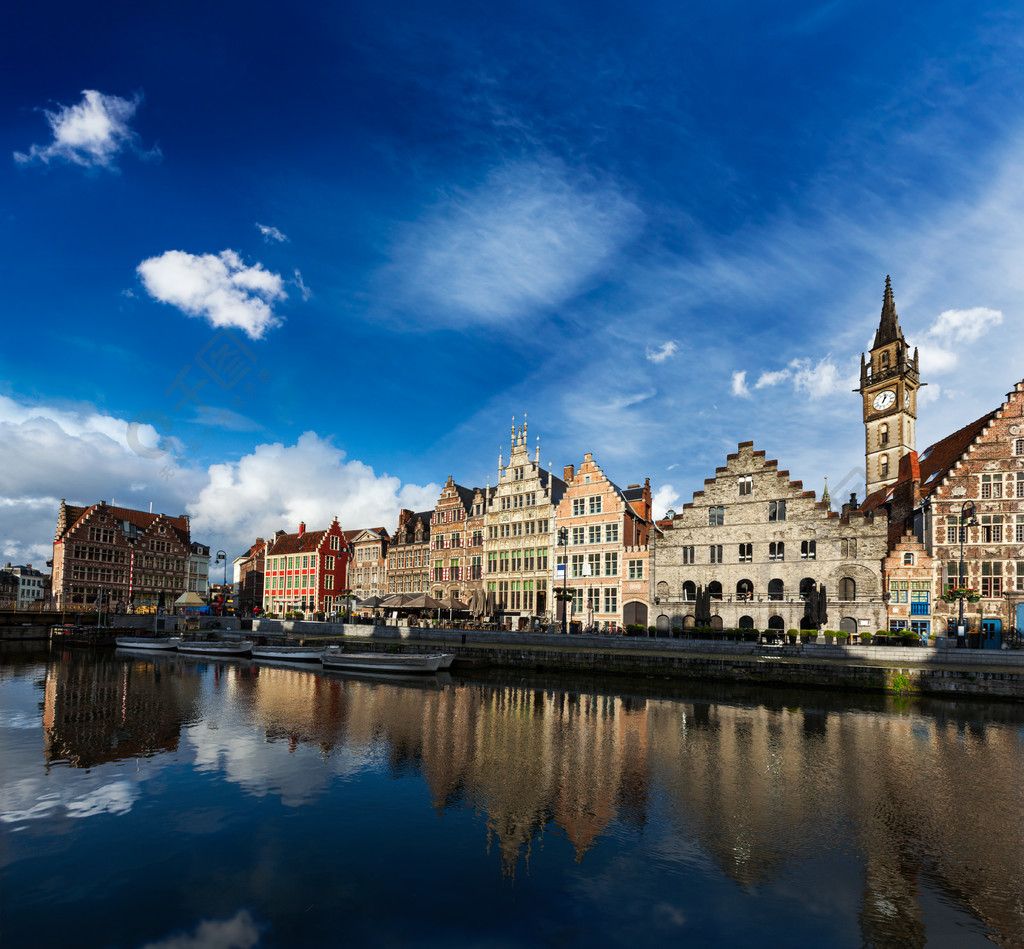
[(224, 582), (961, 639), (563, 594)]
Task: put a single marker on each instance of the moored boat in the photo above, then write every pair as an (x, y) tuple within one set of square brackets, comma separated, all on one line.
[(148, 642), (402, 663), (288, 653), (215, 648)]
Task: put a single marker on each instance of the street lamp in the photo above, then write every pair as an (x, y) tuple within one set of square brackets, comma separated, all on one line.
[(563, 596), (224, 582), (973, 522)]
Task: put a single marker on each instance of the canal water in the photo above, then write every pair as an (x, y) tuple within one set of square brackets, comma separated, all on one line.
[(168, 802)]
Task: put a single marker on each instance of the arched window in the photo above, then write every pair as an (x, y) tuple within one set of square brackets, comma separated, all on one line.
[(848, 625), (715, 590), (746, 622), (775, 622), (1018, 446), (883, 466), (689, 590), (662, 590), (847, 589), (883, 434), (908, 560), (807, 586), (776, 589), (744, 590), (885, 360)]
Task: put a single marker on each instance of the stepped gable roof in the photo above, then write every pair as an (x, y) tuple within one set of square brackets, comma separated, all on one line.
[(304, 543), (633, 493), (937, 460), (143, 520)]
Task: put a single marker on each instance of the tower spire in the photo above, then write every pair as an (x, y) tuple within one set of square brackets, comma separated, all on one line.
[(889, 325)]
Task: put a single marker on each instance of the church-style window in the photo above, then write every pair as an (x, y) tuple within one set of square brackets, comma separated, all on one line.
[(776, 589), (883, 466), (746, 553), (885, 360), (847, 589), (777, 550), (883, 434), (808, 550)]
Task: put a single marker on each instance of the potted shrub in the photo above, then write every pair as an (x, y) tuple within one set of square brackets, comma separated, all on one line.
[(866, 638), (792, 634), (830, 637), (842, 636), (652, 630)]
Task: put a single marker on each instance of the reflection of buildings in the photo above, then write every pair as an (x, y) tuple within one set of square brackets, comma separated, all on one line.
[(95, 712)]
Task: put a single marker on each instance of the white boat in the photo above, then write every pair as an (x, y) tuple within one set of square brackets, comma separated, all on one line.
[(288, 653), (401, 663), (148, 642), (242, 648), (447, 658)]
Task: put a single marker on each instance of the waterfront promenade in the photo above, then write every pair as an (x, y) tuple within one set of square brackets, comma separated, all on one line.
[(923, 670)]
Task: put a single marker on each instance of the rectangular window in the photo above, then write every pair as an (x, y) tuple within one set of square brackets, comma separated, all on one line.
[(898, 591), (542, 559), (577, 565), (1018, 533), (593, 565), (594, 534), (1020, 484), (329, 581), (611, 600), (746, 485), (611, 565), (716, 516), (808, 550), (688, 555), (305, 561), (594, 507), (776, 510), (328, 562), (1020, 575), (991, 578), (611, 533), (335, 542), (579, 507), (636, 570), (578, 535), (715, 552), (992, 528), (991, 485), (746, 553), (777, 550)]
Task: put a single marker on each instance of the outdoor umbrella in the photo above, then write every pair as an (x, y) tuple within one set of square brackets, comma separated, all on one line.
[(370, 603), (702, 608), (423, 602), (822, 604), (189, 600)]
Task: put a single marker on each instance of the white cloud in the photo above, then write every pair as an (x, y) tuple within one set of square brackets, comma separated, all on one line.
[(304, 291), (664, 498), (663, 352), (819, 379), (238, 932), (771, 378), (739, 385), (218, 288), (90, 134), (939, 349), (277, 486), (271, 233), (528, 239)]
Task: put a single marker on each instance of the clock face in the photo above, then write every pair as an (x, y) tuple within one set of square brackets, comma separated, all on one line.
[(884, 399), (906, 398)]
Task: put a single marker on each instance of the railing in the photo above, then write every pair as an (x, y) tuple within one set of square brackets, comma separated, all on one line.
[(920, 609)]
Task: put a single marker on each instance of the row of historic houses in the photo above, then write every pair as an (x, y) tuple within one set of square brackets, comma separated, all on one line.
[(935, 547)]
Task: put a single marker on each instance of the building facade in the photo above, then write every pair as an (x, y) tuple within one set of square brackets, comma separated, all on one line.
[(603, 534), (910, 582), (760, 545), (132, 559), (33, 586), (963, 498), (199, 570), (409, 553), (368, 563), (250, 577), (456, 568), (306, 572), (519, 535)]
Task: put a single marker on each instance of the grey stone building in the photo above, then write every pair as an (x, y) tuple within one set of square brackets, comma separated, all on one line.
[(761, 544)]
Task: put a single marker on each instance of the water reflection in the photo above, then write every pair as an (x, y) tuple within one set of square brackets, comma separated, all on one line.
[(886, 803)]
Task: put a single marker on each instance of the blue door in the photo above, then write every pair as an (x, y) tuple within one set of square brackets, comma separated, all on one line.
[(992, 633)]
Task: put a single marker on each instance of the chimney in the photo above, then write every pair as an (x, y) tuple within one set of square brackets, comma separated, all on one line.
[(302, 528), (568, 473), (853, 501)]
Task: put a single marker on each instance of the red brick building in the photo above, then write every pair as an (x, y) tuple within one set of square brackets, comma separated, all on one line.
[(306, 571), (131, 558)]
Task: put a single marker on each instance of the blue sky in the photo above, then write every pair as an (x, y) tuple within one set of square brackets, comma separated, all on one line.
[(263, 264)]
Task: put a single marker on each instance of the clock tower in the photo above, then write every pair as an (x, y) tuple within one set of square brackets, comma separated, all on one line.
[(888, 386)]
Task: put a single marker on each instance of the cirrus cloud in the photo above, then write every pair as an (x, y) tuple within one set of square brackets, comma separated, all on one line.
[(219, 288)]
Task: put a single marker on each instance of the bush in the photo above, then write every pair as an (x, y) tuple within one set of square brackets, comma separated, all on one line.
[(653, 630), (866, 638), (792, 632)]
